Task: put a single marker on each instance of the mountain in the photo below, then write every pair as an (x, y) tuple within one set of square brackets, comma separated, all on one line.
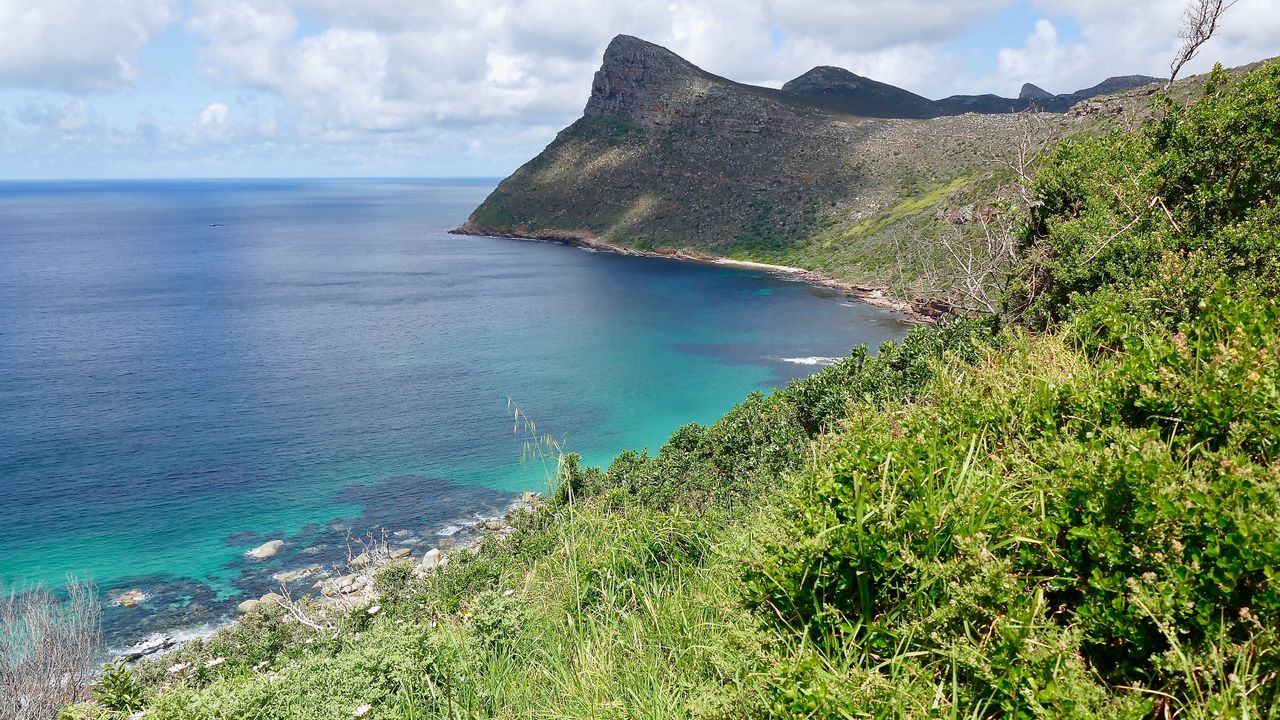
[(1035, 96), (839, 90), (833, 172)]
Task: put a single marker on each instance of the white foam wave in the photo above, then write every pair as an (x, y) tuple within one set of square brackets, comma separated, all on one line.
[(811, 360)]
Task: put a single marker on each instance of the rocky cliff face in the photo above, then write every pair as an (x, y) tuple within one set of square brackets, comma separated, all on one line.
[(830, 172), (1033, 92), (645, 84)]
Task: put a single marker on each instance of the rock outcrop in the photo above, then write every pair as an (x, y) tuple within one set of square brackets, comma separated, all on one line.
[(130, 598), (151, 646), (266, 550), (645, 84), (1033, 92)]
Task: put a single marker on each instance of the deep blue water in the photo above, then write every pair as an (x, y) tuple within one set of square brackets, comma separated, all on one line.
[(190, 368)]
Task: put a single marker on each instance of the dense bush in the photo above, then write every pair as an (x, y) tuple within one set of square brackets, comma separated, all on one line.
[(1123, 512), (1160, 219), (898, 372)]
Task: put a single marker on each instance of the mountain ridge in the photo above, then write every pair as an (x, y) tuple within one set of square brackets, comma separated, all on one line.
[(634, 70)]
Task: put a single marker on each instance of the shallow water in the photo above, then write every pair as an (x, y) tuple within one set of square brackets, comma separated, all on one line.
[(188, 369)]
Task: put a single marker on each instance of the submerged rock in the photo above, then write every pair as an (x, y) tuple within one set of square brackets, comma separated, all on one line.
[(292, 575), (266, 550), (131, 598)]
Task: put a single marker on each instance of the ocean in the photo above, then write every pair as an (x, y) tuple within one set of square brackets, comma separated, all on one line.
[(190, 368)]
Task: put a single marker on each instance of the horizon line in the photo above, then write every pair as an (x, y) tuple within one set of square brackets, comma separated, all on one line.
[(263, 178)]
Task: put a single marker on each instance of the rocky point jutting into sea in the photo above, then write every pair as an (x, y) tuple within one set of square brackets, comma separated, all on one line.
[(829, 175)]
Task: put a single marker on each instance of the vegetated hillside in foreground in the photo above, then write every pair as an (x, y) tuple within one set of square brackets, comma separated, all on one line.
[(1071, 512), (833, 172)]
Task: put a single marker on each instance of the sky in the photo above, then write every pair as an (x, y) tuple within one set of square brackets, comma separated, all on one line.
[(458, 88)]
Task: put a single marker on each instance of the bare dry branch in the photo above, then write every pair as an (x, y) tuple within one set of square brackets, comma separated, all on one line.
[(47, 648), (1199, 23), (980, 267)]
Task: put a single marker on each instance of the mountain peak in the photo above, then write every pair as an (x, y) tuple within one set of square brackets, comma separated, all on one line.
[(1033, 92), (629, 49), (823, 75), (635, 79), (842, 91), (1119, 83)]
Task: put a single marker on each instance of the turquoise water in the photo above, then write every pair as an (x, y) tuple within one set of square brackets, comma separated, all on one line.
[(188, 369)]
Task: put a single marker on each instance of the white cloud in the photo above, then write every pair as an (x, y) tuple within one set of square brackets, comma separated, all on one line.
[(1122, 38), (1044, 58), (464, 86), (400, 65), (212, 123), (248, 35), (67, 118), (77, 44), (873, 25)]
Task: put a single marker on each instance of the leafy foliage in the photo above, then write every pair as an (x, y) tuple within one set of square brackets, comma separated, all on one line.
[(118, 689), (1157, 220)]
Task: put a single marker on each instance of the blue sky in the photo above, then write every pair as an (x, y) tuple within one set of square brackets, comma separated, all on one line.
[(280, 88)]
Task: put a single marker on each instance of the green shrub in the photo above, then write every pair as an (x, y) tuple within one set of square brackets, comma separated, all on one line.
[(898, 372), (118, 689), (395, 578), (1164, 217), (260, 636), (495, 620), (1051, 513)]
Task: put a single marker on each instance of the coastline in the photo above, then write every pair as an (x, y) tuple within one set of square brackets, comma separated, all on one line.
[(337, 584), (921, 312)]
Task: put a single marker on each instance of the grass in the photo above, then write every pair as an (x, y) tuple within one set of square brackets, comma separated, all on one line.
[(905, 208)]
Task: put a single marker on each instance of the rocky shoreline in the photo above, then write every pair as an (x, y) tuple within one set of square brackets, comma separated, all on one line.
[(339, 586), (925, 311)]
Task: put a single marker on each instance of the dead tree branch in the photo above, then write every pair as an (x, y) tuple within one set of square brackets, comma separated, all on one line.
[(48, 645), (1199, 23)]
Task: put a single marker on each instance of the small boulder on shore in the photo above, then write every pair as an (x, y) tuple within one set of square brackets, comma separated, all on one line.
[(248, 605), (401, 552), (266, 550), (432, 559)]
